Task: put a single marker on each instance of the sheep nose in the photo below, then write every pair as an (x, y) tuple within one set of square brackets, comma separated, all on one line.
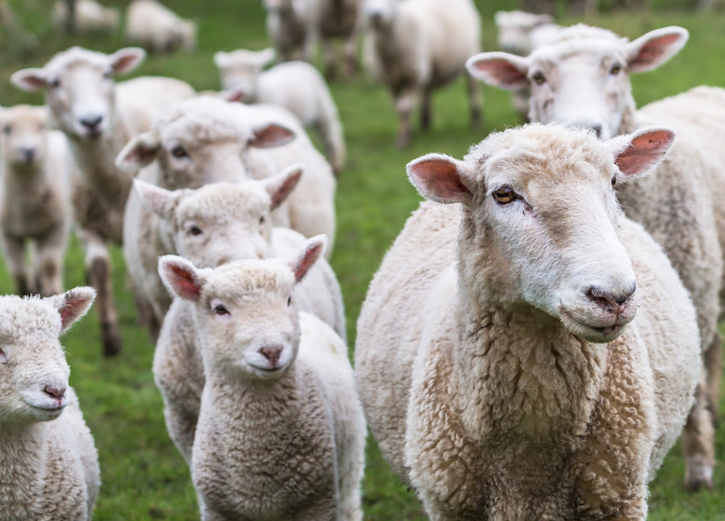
[(91, 122), (54, 391), (614, 302), (28, 154), (271, 353)]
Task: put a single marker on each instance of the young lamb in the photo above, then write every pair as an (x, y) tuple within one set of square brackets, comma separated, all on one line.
[(205, 140), (522, 385), (417, 47), (281, 431), (582, 79), (99, 117), (35, 175), (296, 86), (48, 461), (90, 16), (154, 26)]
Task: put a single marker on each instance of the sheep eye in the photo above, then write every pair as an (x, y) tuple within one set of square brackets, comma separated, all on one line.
[(194, 230), (261, 220), (220, 310), (616, 69), (614, 180), (538, 78), (289, 300), (504, 195), (54, 83), (179, 152)]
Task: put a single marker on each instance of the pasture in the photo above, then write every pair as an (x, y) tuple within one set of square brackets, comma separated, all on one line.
[(144, 476)]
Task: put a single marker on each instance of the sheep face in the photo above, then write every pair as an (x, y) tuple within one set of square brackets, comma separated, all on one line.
[(24, 137), (581, 78), (239, 70), (540, 206)]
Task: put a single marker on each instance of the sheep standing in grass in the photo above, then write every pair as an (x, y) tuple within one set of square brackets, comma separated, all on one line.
[(281, 431), (415, 47), (154, 26), (99, 117), (296, 86), (581, 79), (503, 372), (287, 22), (90, 16), (48, 461), (35, 177)]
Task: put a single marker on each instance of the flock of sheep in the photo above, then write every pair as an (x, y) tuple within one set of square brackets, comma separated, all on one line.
[(537, 338)]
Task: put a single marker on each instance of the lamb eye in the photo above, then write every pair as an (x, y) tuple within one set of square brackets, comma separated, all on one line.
[(614, 181), (54, 83), (194, 230), (179, 151), (261, 220), (504, 195), (289, 300), (538, 78), (616, 69), (220, 310)]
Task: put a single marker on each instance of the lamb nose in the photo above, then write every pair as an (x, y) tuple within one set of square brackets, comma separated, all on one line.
[(91, 122), (54, 392), (271, 353)]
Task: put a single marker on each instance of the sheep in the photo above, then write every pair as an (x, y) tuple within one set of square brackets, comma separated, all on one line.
[(296, 86), (416, 47), (522, 386), (35, 172), (99, 117), (287, 22), (582, 79), (155, 27), (207, 139), (49, 464), (284, 416), (90, 16)]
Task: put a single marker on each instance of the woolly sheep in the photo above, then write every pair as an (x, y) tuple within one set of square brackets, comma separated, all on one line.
[(569, 85), (154, 26), (296, 86), (205, 140), (522, 386), (286, 23), (99, 117), (35, 174), (286, 406), (49, 462), (90, 16), (417, 47)]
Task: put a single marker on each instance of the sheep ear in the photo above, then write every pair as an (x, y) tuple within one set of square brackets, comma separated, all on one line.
[(72, 304), (221, 59), (139, 152), (440, 178), (30, 79), (181, 277), (651, 50), (281, 185), (271, 135), (636, 153), (499, 69), (161, 201), (127, 59), (311, 250)]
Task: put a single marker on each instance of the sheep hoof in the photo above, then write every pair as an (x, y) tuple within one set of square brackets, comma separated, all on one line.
[(111, 340), (698, 476)]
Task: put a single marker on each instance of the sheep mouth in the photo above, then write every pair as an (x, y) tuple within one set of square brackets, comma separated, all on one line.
[(591, 333)]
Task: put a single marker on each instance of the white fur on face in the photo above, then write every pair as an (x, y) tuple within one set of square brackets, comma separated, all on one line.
[(24, 134)]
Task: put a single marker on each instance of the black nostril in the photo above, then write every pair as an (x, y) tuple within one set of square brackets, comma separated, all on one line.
[(91, 122), (608, 299), (28, 154), (54, 391)]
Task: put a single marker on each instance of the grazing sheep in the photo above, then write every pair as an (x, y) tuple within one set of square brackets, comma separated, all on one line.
[(415, 47), (296, 86), (281, 431), (48, 461), (155, 27), (582, 79), (35, 175), (99, 117), (521, 384), (90, 16)]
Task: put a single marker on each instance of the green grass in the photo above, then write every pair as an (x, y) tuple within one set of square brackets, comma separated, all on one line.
[(144, 477)]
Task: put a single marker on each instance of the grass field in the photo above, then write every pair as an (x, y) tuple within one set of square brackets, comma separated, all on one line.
[(144, 477)]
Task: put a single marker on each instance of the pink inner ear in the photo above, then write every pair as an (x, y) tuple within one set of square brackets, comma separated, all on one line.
[(439, 180), (184, 282), (285, 188), (271, 136), (644, 152), (652, 52), (71, 310), (307, 260)]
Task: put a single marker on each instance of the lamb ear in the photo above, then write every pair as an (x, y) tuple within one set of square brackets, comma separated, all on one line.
[(441, 178), (221, 59), (654, 48), (499, 69), (280, 186), (161, 201), (139, 152), (180, 277), (271, 135), (126, 59), (72, 304), (636, 153), (30, 79), (311, 250)]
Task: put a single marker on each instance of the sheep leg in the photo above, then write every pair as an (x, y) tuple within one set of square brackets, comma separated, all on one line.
[(49, 271), (15, 257), (330, 57), (349, 51), (713, 367), (404, 103), (698, 443), (473, 101), (181, 426)]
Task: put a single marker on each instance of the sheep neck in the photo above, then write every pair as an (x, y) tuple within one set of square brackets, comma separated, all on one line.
[(628, 123), (23, 458)]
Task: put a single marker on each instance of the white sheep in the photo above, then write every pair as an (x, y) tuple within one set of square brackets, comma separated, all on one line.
[(49, 462), (154, 26), (296, 86), (90, 16), (502, 369), (99, 117), (35, 176), (281, 431), (205, 140), (582, 79), (416, 47)]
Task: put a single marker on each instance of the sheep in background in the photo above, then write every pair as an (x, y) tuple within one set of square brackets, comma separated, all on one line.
[(415, 47), (49, 462), (582, 80), (154, 26), (296, 86), (99, 117), (35, 176), (90, 16), (287, 22), (521, 384), (281, 431)]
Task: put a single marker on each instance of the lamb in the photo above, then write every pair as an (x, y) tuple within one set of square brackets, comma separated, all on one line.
[(284, 416), (416, 47), (90, 16), (99, 117), (35, 172), (48, 461), (570, 86), (155, 27), (205, 140), (522, 385), (296, 86)]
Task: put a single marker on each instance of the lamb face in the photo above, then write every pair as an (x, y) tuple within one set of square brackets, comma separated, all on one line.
[(239, 70), (24, 138)]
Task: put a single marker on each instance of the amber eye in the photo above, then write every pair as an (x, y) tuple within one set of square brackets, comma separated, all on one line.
[(504, 195), (538, 78), (616, 69), (179, 152)]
